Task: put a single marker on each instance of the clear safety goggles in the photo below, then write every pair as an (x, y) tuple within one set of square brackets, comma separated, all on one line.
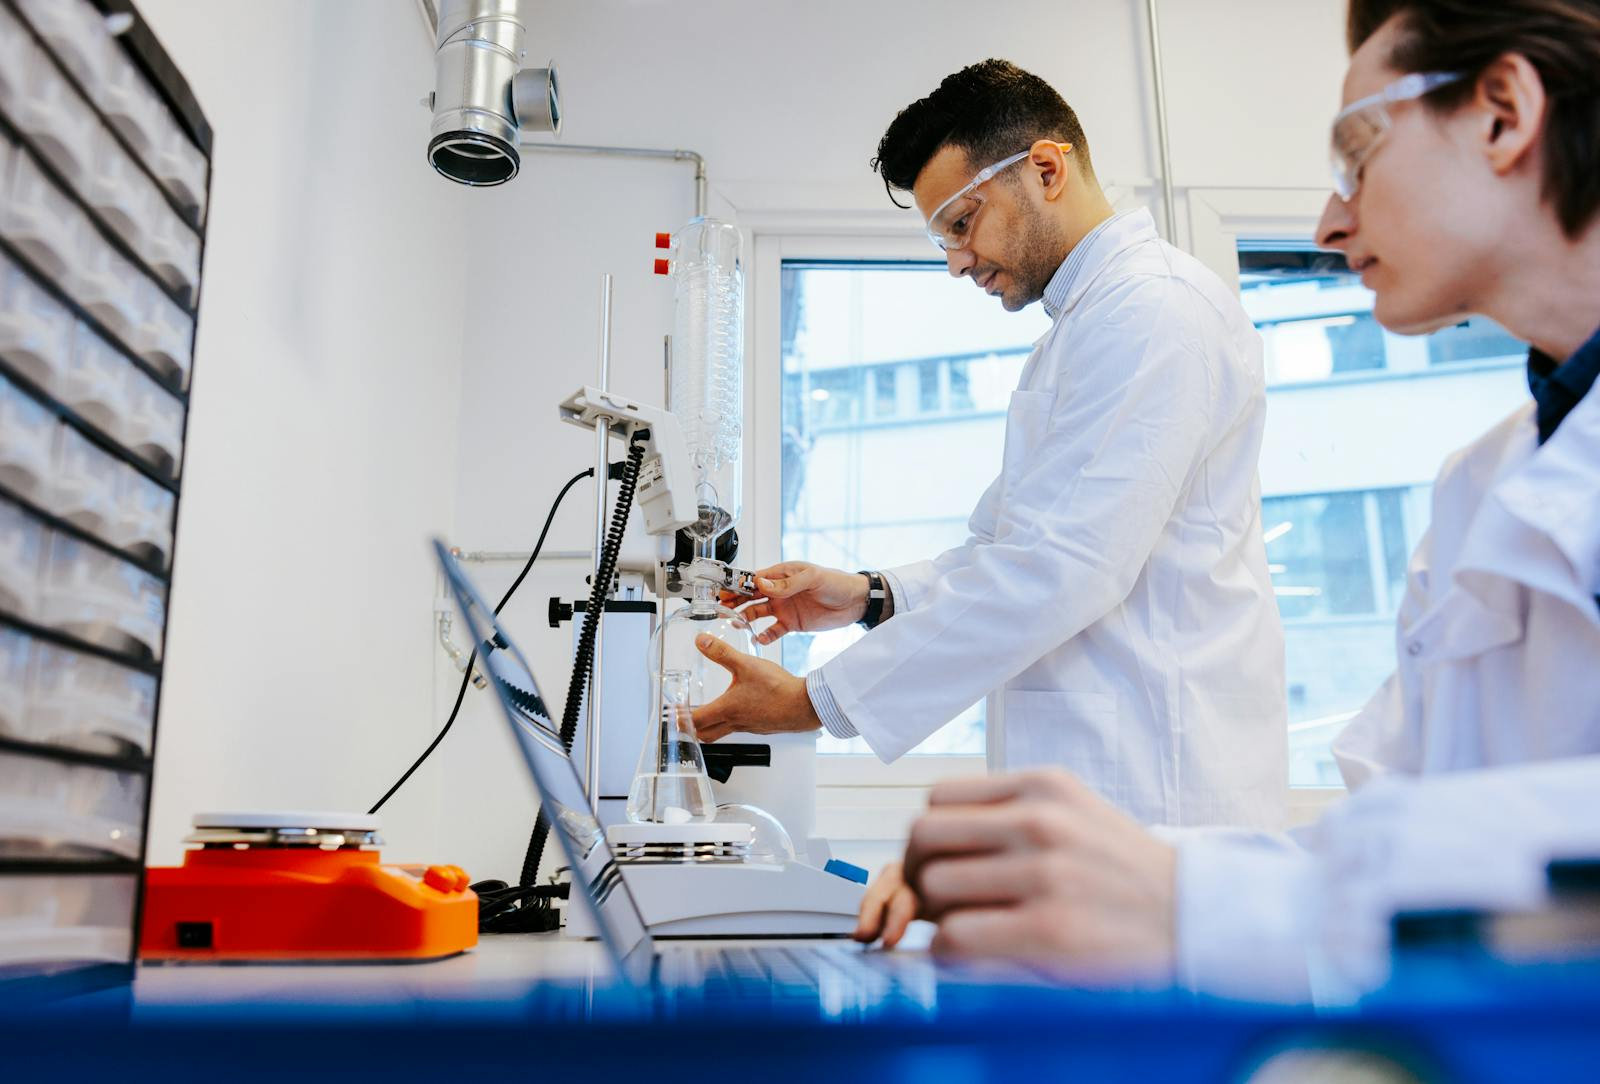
[(952, 222), (1360, 126)]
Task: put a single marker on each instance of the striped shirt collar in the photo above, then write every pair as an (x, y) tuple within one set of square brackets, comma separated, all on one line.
[(1077, 270)]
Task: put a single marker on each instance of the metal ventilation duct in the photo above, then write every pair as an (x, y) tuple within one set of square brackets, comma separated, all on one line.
[(483, 98)]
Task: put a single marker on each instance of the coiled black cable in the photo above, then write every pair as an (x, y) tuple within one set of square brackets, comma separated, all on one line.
[(583, 660)]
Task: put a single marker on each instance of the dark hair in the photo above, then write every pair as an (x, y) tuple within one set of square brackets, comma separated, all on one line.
[(1560, 38), (990, 110)]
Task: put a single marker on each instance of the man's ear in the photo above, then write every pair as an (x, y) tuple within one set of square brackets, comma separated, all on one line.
[(1512, 102), (1049, 162)]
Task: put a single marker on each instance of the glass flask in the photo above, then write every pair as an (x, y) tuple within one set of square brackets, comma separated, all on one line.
[(769, 843), (672, 646), (671, 785)]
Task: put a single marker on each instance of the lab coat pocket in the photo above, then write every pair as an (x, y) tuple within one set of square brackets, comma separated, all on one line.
[(1027, 418), (1072, 730)]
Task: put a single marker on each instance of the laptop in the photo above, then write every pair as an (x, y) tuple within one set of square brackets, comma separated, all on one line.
[(828, 969)]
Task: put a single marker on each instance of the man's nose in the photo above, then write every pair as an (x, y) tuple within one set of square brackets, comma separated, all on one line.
[(959, 261), (1338, 222)]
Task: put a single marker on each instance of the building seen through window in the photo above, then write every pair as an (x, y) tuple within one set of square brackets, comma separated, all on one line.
[(896, 380)]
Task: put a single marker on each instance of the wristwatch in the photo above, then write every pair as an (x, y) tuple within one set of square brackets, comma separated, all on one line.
[(877, 591)]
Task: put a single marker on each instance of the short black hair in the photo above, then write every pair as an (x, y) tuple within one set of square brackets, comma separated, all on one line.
[(990, 110), (1560, 38)]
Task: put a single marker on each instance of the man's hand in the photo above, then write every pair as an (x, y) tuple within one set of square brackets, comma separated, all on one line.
[(804, 598), (1035, 866), (887, 908), (764, 698)]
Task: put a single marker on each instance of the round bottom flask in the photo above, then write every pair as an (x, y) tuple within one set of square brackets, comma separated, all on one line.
[(673, 647)]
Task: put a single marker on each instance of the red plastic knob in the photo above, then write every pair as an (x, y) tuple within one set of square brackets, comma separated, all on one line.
[(663, 240), (663, 267)]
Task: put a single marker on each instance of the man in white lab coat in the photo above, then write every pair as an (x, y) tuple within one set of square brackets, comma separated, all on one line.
[(1113, 600), (1466, 166)]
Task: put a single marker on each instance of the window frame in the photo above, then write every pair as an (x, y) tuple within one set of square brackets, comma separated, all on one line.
[(839, 776)]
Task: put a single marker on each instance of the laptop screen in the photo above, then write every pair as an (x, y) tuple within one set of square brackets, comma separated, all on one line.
[(594, 867)]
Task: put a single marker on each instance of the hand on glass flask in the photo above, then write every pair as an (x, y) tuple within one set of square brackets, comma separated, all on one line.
[(804, 598), (763, 699)]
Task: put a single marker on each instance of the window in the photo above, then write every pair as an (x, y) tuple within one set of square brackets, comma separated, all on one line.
[(1316, 322), (1358, 423), (896, 379), (894, 384)]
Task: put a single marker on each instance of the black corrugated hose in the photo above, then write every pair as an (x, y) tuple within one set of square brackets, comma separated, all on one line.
[(583, 661)]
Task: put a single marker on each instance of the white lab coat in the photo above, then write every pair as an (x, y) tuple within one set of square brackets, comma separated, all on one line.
[(1472, 767), (1499, 634), (1113, 599)]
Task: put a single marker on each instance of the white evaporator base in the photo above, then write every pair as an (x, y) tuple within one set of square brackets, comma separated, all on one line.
[(721, 898)]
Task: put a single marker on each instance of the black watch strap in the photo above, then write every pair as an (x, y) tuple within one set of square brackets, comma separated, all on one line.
[(877, 592)]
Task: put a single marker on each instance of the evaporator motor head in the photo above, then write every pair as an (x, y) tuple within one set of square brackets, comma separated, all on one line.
[(483, 98)]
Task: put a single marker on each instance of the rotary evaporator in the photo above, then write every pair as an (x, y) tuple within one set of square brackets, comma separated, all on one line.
[(715, 839)]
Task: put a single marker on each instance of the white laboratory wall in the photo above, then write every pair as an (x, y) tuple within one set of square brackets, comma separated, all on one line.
[(787, 102), (322, 447)]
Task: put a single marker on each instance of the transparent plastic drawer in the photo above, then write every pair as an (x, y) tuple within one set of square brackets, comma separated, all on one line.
[(76, 33), (27, 443), (57, 119), (173, 250), (144, 519), (95, 382), (56, 810), (82, 702), (67, 919), (130, 104), (15, 48), (83, 485), (16, 656), (101, 598), (106, 284), (182, 168), (152, 428), (35, 329), (23, 542), (164, 334), (122, 193), (42, 220)]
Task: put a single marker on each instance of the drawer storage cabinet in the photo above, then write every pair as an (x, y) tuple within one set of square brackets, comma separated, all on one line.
[(105, 175)]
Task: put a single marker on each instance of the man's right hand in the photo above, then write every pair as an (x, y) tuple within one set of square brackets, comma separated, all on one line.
[(805, 598), (887, 908)]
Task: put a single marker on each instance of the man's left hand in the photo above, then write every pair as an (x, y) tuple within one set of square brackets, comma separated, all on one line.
[(764, 698), (1036, 867)]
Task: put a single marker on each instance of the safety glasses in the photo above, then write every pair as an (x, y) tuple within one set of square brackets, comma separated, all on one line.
[(1359, 128), (952, 222)]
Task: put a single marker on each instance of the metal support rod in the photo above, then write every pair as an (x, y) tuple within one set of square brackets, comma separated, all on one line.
[(676, 155), (1163, 141), (602, 465), (479, 557)]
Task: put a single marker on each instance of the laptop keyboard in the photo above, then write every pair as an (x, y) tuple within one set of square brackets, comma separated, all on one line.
[(800, 967)]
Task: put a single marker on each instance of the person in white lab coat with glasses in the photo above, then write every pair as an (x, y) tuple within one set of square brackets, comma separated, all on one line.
[(1467, 176), (1113, 600)]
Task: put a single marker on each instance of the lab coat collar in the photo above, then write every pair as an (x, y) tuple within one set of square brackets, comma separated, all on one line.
[(1537, 528), (1084, 263), (1557, 493)]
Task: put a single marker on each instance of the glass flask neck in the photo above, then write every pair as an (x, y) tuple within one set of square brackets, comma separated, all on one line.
[(704, 602)]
